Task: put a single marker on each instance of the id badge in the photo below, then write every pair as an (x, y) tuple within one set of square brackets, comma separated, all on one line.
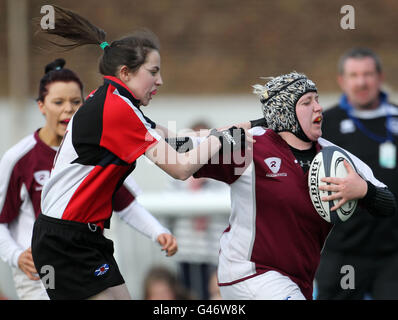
[(388, 155)]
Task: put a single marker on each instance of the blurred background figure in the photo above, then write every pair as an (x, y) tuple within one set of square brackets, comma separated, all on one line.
[(161, 283), (365, 123), (25, 168), (198, 236)]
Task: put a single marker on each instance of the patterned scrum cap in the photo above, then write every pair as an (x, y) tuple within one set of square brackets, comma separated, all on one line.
[(279, 97)]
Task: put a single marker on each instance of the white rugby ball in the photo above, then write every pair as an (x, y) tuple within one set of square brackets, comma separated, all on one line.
[(329, 163)]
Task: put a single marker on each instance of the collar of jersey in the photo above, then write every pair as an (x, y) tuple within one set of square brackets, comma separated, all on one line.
[(279, 140), (122, 88), (45, 148)]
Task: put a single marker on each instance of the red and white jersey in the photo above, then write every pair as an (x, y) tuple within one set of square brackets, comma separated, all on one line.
[(24, 169), (273, 224), (102, 142)]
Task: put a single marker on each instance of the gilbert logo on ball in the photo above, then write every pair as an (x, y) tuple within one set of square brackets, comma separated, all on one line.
[(329, 162)]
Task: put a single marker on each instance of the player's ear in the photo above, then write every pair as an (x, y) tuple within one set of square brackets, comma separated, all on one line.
[(123, 73), (41, 107), (340, 81)]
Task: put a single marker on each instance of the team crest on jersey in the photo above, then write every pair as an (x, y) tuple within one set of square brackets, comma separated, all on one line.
[(274, 164), (41, 178), (101, 270)]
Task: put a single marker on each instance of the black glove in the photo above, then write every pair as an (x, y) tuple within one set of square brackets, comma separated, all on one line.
[(259, 122), (180, 144), (231, 139)]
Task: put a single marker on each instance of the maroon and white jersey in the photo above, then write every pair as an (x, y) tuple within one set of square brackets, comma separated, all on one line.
[(273, 224), (23, 171), (102, 142)]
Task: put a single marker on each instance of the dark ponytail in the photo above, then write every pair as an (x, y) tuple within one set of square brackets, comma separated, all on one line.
[(55, 72), (131, 50), (75, 28)]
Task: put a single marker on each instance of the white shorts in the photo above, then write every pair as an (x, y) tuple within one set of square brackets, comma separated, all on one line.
[(270, 285), (28, 289)]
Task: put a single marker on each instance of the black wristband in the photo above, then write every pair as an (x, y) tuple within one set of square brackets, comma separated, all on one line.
[(258, 123), (180, 144), (233, 138)]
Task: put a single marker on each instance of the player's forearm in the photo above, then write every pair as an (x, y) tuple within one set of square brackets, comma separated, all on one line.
[(191, 161), (182, 165)]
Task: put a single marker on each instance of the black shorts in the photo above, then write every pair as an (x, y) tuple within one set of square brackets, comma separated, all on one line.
[(73, 261)]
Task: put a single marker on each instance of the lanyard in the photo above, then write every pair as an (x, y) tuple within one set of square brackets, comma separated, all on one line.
[(345, 105)]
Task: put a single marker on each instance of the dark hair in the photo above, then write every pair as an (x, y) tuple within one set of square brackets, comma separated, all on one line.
[(55, 72), (131, 50), (161, 273), (358, 53)]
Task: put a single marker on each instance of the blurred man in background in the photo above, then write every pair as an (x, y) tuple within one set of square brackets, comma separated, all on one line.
[(366, 124)]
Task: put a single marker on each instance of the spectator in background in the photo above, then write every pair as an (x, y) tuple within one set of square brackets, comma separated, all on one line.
[(162, 284), (365, 123), (198, 236)]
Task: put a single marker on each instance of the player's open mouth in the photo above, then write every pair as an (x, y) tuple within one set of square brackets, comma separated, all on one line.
[(65, 122), (318, 120)]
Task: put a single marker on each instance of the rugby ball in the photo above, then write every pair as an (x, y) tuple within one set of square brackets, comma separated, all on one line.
[(329, 163)]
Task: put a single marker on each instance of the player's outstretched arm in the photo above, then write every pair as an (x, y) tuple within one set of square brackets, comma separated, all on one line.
[(182, 165)]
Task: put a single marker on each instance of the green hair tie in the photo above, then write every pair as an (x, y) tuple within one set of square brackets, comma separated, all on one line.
[(104, 44)]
